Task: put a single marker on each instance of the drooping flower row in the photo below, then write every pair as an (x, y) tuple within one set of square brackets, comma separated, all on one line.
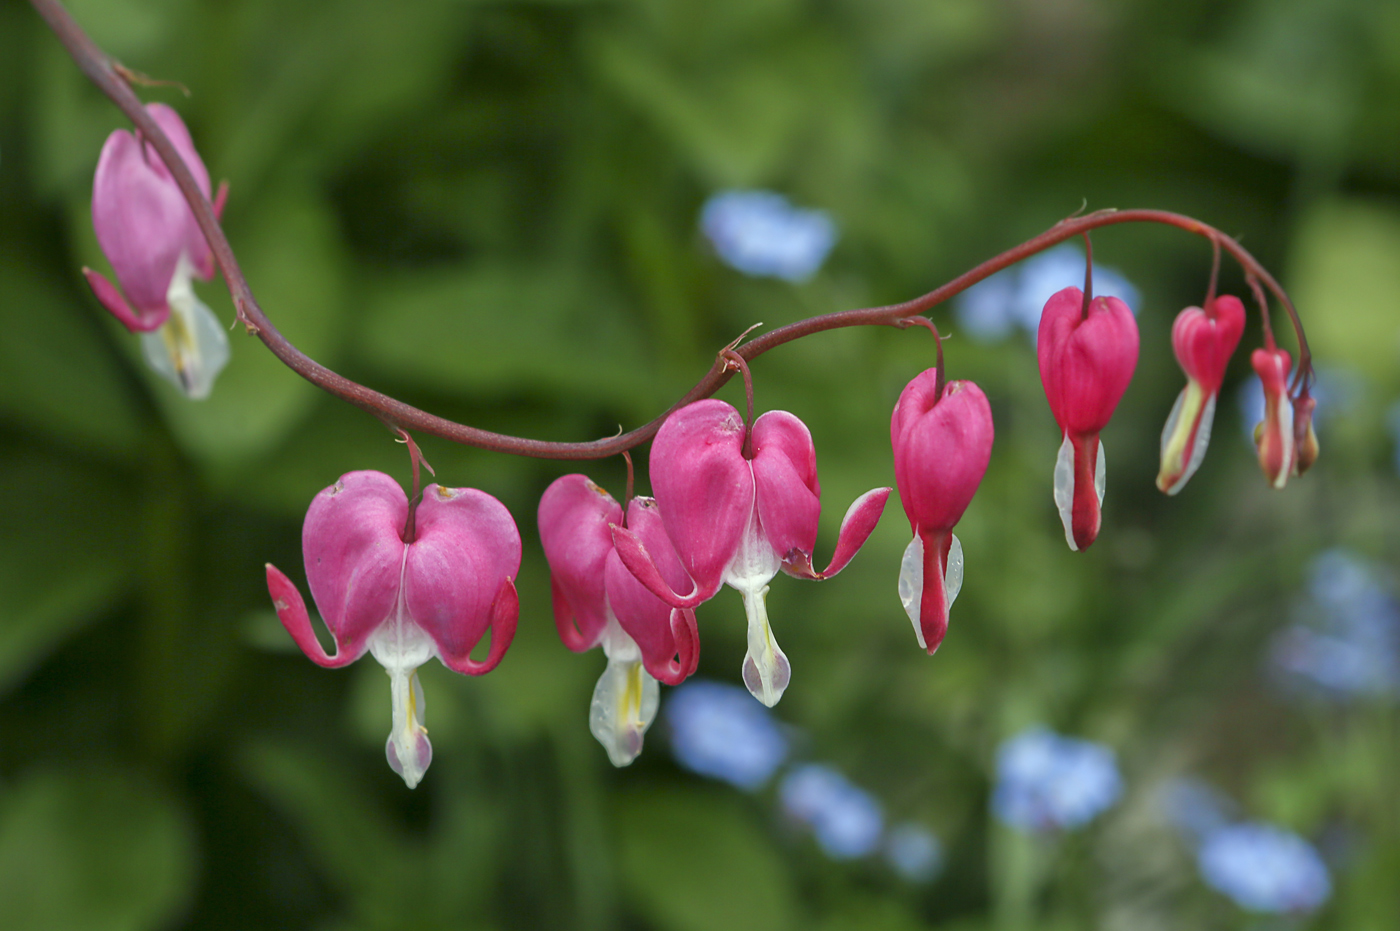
[(736, 502)]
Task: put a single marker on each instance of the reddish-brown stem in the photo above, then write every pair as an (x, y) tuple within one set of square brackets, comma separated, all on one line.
[(735, 362), (1088, 277), (631, 478), (415, 457), (111, 78), (1209, 306)]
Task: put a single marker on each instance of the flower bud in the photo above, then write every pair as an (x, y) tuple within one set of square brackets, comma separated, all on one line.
[(1274, 435)]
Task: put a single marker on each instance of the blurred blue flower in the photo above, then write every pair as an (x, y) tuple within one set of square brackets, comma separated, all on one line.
[(914, 852), (1194, 808), (1264, 868), (1347, 639), (989, 310), (761, 234), (1047, 782), (846, 819), (719, 731), (1393, 421)]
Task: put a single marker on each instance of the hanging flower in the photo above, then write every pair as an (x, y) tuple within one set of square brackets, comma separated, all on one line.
[(405, 585), (1274, 436), (1087, 352), (1203, 341), (739, 506), (942, 439), (597, 601), (148, 232)]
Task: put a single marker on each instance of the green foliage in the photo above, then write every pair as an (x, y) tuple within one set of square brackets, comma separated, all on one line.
[(490, 211)]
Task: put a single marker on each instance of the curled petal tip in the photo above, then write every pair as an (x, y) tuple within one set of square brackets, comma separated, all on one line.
[(291, 611), (633, 553)]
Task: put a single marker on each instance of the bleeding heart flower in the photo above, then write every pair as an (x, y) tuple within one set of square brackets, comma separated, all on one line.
[(1087, 357), (1274, 436), (1203, 341), (942, 439), (737, 519), (404, 602), (597, 601), (148, 232)]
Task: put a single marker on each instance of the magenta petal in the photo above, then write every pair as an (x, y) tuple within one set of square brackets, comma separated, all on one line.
[(291, 611), (140, 219), (196, 246), (505, 613), (856, 527), (651, 623), (704, 487), (942, 445), (574, 519), (632, 552), (933, 600), (1085, 362), (467, 546), (354, 554), (112, 299), (785, 485), (1203, 342)]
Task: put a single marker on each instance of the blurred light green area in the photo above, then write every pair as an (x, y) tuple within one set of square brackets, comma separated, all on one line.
[(489, 209)]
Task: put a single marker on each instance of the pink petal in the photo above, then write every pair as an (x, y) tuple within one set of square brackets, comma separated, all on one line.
[(112, 299), (505, 613), (354, 554), (1203, 343), (291, 611), (141, 221), (633, 554), (196, 246), (660, 631), (942, 445), (1085, 362), (574, 520), (856, 527), (704, 487), (785, 485), (467, 549)]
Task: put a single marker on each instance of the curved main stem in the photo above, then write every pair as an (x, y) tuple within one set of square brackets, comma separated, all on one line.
[(112, 79)]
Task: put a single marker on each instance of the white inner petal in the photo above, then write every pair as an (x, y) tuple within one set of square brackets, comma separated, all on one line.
[(625, 698), (766, 670), (911, 584), (1198, 452), (190, 348), (1064, 489), (1100, 474), (401, 646), (911, 580), (1170, 428), (953, 575)]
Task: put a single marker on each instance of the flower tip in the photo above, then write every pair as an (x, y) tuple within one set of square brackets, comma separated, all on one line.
[(413, 765)]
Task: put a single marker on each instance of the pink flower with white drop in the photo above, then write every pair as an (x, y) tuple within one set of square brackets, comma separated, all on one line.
[(1087, 352), (404, 585), (942, 439), (739, 505), (1203, 341), (596, 601), (149, 234)]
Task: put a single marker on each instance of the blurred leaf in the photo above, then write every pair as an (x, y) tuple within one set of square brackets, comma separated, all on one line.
[(291, 254), (97, 851), (55, 373), (501, 328), (1346, 275), (695, 861), (64, 555), (365, 857)]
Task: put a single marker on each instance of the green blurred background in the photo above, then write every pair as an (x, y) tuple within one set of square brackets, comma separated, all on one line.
[(489, 209)]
